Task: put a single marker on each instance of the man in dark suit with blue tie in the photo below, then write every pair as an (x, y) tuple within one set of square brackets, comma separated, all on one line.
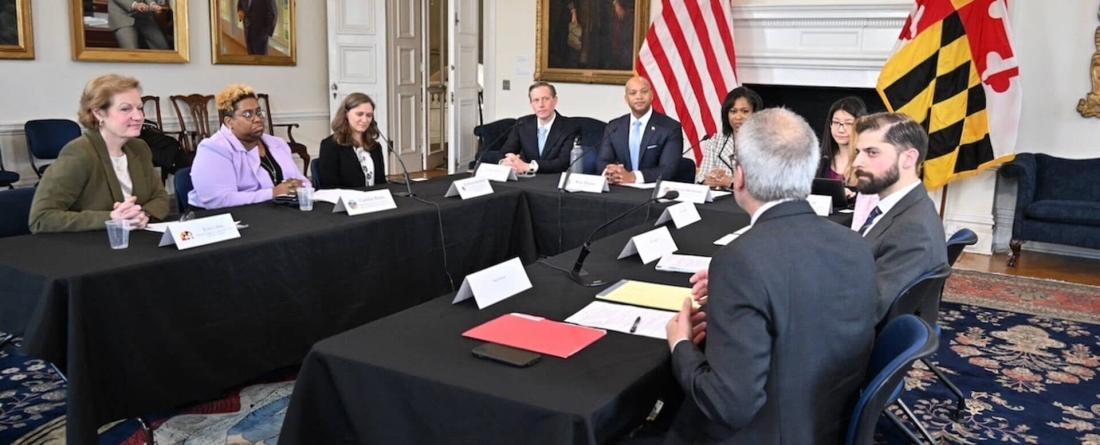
[(789, 308), (904, 230), (540, 142), (643, 146)]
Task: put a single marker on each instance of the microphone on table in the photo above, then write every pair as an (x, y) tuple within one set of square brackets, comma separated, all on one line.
[(569, 169), (404, 171), (682, 153), (499, 140), (575, 274)]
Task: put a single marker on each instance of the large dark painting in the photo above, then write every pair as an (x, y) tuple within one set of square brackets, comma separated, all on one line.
[(589, 41)]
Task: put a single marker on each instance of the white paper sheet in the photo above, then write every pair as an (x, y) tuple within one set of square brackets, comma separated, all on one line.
[(683, 263), (620, 317)]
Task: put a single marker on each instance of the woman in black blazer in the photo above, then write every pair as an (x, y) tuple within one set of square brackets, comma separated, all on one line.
[(352, 157)]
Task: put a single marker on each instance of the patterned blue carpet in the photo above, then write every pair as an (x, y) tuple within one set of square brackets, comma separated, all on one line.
[(1027, 378)]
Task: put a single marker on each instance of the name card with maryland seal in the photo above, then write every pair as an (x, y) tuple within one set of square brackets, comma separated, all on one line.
[(469, 188), (584, 183), (358, 203), (694, 193), (496, 172), (494, 284), (200, 232)]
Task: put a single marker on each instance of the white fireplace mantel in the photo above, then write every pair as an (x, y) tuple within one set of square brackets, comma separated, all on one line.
[(839, 43)]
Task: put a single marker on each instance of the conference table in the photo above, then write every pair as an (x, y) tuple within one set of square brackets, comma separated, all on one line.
[(147, 328), (411, 378)]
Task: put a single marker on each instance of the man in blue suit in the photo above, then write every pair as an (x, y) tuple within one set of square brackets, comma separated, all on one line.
[(643, 146), (540, 142)]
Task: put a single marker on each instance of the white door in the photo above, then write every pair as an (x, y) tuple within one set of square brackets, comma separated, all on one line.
[(462, 86), (357, 55), (407, 83)]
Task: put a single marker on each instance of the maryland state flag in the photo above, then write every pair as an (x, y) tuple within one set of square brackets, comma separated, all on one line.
[(954, 71)]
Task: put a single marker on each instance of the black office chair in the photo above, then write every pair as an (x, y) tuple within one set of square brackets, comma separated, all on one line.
[(315, 172), (183, 187), (591, 134), (7, 178), (15, 211), (922, 298), (685, 171), (903, 341), (488, 135), (46, 138), (958, 241)]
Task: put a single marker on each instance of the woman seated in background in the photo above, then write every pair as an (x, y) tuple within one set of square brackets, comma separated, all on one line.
[(836, 143), (106, 173), (720, 151), (352, 157), (241, 164)]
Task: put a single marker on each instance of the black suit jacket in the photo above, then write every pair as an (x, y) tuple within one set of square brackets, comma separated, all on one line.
[(524, 141), (661, 148), (259, 17), (908, 241), (339, 167), (790, 325)]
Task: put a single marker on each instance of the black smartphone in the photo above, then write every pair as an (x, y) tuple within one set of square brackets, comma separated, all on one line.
[(506, 354)]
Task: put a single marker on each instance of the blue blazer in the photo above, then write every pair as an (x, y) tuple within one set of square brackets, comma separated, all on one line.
[(524, 141), (661, 148)]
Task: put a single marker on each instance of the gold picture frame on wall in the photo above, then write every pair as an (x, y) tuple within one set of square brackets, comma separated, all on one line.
[(253, 32), (16, 31), (153, 31), (589, 41)]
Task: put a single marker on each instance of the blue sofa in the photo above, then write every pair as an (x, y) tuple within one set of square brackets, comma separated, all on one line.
[(1057, 201)]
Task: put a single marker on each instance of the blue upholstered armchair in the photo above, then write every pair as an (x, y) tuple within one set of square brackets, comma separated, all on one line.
[(1057, 201), (488, 135)]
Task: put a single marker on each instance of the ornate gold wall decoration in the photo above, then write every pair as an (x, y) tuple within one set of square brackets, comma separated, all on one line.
[(1090, 105)]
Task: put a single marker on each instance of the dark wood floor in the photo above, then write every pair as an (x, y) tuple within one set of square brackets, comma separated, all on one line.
[(1036, 265)]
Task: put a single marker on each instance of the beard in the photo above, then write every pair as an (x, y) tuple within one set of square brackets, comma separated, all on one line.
[(869, 184)]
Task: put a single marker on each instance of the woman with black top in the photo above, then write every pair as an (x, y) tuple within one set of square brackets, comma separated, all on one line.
[(837, 152), (352, 157)]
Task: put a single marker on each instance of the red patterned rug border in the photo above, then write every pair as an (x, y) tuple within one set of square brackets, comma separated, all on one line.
[(1027, 295)]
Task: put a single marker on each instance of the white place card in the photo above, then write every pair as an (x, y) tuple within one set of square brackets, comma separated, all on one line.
[(494, 284), (823, 205), (200, 232), (584, 183), (695, 193), (358, 203), (682, 215), (469, 188), (496, 172), (651, 245), (729, 238)]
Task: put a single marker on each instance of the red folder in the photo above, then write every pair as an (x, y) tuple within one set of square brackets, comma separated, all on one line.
[(536, 334)]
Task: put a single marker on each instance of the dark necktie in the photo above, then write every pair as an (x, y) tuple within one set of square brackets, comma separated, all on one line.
[(875, 212)]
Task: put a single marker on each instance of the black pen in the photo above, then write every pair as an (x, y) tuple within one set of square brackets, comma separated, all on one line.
[(635, 326)]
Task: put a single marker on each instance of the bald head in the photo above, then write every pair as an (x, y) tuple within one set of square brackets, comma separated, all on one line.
[(639, 96)]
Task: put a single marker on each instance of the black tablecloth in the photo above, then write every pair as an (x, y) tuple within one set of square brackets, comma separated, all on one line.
[(144, 329), (563, 220), (410, 377)]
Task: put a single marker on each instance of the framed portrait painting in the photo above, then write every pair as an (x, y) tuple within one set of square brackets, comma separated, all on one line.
[(16, 36), (589, 41), (253, 32), (129, 30)]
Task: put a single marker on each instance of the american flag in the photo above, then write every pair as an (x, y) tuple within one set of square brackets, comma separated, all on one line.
[(688, 58)]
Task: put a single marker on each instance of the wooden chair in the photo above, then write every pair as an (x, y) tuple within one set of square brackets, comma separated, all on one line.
[(198, 107), (295, 147)]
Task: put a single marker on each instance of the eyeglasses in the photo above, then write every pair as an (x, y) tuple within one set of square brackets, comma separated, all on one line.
[(250, 115), (845, 125)]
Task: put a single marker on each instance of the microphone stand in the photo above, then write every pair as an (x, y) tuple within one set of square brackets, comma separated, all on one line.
[(586, 248), (404, 171)]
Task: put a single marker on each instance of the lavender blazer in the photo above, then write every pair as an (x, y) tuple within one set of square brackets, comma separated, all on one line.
[(226, 175)]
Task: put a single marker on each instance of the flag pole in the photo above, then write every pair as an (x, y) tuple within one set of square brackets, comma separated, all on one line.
[(943, 200)]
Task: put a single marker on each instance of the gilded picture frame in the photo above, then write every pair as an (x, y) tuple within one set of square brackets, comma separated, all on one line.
[(16, 30), (149, 31), (589, 41), (253, 32)]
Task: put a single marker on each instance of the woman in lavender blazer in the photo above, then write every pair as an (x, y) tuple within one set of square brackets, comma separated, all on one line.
[(241, 164)]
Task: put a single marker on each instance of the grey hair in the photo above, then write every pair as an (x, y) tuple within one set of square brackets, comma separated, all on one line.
[(778, 153)]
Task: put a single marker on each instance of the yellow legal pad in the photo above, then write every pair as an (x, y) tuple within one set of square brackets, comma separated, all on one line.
[(641, 293)]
